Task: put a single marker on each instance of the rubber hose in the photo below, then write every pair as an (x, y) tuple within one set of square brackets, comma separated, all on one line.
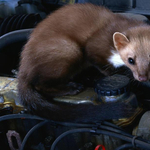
[(14, 37)]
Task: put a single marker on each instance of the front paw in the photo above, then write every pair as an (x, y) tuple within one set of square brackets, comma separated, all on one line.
[(75, 88)]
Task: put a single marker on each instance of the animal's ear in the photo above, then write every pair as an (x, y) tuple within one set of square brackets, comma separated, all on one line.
[(120, 40)]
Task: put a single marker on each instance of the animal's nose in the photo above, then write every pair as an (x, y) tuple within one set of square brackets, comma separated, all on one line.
[(143, 78)]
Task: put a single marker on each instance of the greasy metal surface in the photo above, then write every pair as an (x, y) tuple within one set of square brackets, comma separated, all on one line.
[(143, 129), (8, 97), (120, 97), (8, 94), (87, 96), (127, 121)]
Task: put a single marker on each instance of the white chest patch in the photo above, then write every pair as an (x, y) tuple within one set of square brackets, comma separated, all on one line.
[(116, 60)]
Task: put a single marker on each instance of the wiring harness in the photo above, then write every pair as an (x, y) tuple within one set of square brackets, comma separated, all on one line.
[(105, 128)]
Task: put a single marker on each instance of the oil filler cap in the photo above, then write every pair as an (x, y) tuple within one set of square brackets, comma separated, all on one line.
[(112, 85)]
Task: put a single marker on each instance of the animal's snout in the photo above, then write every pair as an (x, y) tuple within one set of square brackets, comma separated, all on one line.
[(143, 78)]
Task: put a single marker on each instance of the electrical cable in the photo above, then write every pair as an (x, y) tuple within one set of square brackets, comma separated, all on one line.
[(70, 132), (20, 116), (27, 116), (115, 130), (125, 146), (93, 128), (37, 126), (70, 124), (133, 141), (107, 126), (139, 143), (111, 125)]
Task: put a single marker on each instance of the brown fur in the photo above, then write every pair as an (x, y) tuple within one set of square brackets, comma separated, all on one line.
[(138, 49), (61, 46)]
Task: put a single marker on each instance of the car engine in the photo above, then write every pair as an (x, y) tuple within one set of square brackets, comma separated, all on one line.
[(125, 104)]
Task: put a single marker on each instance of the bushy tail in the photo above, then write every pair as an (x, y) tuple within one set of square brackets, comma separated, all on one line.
[(46, 107)]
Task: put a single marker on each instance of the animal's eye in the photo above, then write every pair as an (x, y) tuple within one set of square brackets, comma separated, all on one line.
[(131, 61)]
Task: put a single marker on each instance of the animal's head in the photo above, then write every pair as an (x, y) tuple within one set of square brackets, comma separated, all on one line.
[(134, 49)]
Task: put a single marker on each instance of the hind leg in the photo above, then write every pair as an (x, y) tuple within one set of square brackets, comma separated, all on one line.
[(63, 60), (70, 88)]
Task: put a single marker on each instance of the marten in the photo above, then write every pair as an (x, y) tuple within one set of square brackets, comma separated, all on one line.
[(69, 40)]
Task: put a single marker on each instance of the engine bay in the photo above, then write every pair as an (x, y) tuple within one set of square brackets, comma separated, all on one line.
[(123, 122)]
